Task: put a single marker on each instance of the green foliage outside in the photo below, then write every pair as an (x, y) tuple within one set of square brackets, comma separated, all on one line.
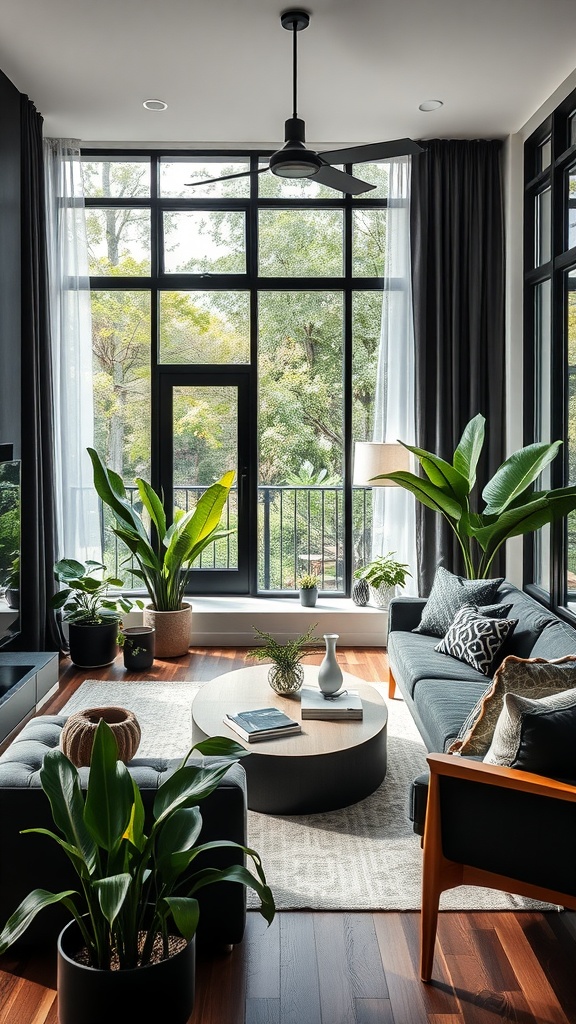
[(300, 346)]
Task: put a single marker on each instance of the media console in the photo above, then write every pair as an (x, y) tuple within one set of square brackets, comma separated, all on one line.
[(27, 679)]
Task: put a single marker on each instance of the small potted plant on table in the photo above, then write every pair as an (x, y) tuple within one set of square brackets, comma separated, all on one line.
[(286, 673), (383, 575)]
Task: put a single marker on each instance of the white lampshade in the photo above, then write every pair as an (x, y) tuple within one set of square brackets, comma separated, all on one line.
[(372, 458)]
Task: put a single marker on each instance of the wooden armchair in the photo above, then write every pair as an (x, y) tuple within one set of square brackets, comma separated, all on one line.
[(495, 827)]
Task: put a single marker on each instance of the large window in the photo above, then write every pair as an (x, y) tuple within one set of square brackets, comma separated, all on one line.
[(236, 325), (550, 330)]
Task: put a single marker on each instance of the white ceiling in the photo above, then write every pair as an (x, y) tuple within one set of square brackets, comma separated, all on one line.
[(224, 67)]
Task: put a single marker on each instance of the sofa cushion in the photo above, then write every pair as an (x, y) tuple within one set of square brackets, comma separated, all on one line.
[(411, 657), (536, 735), (448, 594), (475, 638), (532, 620), (441, 704), (532, 678), (556, 640)]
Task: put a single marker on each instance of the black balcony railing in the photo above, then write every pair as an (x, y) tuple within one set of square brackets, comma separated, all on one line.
[(300, 530)]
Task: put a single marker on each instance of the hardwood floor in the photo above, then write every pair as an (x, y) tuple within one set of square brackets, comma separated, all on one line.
[(336, 968)]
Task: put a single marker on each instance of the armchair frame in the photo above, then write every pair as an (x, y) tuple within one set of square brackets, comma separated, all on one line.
[(441, 873)]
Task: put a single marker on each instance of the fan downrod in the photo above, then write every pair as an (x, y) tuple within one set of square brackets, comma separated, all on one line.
[(295, 20)]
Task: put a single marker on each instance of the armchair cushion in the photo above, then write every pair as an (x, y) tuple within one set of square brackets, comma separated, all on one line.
[(537, 735), (475, 638), (532, 677), (448, 594)]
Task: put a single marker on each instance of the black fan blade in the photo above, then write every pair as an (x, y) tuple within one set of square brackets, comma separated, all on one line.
[(334, 178), (226, 177), (372, 152)]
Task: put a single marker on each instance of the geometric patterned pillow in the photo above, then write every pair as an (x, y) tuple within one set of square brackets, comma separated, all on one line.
[(449, 593), (529, 677), (475, 639)]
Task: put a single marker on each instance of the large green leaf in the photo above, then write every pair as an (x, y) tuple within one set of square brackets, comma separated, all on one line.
[(186, 787), (61, 784), (110, 489), (442, 474), (186, 912), (175, 843), (112, 892), (469, 449), (426, 492), (152, 503), (109, 796), (198, 526), (237, 873), (26, 912), (522, 519), (516, 474)]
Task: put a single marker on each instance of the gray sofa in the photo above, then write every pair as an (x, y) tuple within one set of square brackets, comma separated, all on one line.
[(35, 861), (441, 691)]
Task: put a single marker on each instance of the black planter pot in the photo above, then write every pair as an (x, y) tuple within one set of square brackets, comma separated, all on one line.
[(162, 991), (13, 597), (93, 646), (139, 643)]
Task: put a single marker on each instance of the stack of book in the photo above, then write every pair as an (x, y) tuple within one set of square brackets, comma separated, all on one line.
[(314, 704), (262, 724)]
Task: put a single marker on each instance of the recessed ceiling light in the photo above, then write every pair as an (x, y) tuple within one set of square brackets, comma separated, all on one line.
[(430, 105), (155, 105)]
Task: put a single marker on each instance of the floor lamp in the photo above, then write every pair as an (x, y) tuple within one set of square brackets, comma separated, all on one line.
[(371, 458)]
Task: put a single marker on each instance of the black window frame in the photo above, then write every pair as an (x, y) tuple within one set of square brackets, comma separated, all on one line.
[(158, 281), (556, 128)]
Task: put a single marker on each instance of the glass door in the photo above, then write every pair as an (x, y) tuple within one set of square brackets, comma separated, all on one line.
[(204, 433)]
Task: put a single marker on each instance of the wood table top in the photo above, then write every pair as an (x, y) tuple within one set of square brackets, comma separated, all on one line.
[(248, 688)]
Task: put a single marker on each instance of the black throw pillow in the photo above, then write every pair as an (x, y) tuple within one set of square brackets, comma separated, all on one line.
[(537, 735)]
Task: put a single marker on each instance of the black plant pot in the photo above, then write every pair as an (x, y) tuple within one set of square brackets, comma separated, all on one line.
[(13, 597), (161, 991), (139, 642), (93, 646)]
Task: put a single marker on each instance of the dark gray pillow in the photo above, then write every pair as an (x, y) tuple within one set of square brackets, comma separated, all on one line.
[(476, 639), (536, 735), (449, 593), (493, 611)]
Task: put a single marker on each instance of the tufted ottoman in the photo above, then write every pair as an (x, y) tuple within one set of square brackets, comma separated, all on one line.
[(34, 861)]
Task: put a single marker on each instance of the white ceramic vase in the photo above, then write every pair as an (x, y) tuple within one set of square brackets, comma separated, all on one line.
[(330, 676)]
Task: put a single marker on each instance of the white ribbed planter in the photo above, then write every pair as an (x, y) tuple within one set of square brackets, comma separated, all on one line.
[(173, 630)]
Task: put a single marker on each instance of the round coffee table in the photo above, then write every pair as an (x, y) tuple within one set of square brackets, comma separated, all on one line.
[(326, 766)]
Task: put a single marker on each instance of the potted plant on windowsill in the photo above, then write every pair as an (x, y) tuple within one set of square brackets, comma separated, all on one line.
[(165, 561), (286, 673), (383, 574), (12, 583), (137, 884), (308, 584), (91, 612)]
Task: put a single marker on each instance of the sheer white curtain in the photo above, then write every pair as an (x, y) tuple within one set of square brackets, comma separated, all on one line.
[(394, 513), (77, 513)]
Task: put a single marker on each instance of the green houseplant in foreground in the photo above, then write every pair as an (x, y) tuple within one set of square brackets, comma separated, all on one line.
[(286, 673), (512, 507), (135, 886)]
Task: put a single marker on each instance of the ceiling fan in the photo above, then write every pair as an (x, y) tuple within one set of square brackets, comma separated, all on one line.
[(294, 160)]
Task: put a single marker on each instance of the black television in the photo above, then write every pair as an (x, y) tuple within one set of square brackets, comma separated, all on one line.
[(10, 538)]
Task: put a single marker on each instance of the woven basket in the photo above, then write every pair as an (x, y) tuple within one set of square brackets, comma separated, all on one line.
[(78, 734)]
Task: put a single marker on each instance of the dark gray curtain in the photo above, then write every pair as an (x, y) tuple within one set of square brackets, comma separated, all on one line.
[(457, 240), (39, 630)]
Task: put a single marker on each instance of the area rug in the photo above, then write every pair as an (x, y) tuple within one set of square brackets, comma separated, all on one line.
[(363, 857)]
